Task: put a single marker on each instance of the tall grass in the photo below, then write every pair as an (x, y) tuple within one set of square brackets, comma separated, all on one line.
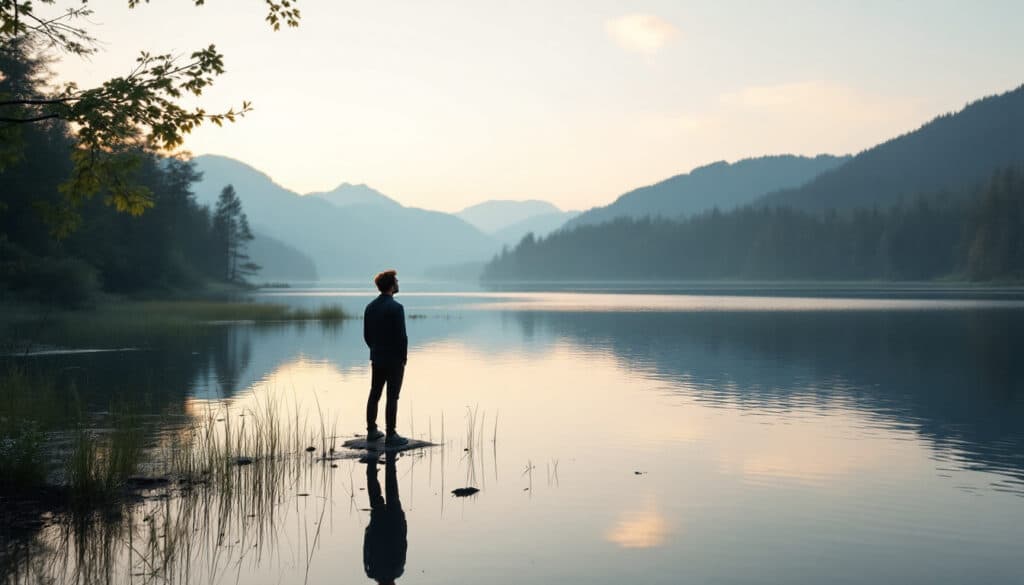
[(29, 407), (102, 461)]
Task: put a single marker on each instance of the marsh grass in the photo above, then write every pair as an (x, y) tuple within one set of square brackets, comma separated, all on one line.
[(30, 407), (138, 323), (47, 440), (208, 516), (101, 462)]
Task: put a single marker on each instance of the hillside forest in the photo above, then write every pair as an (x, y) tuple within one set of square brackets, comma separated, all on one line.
[(977, 235)]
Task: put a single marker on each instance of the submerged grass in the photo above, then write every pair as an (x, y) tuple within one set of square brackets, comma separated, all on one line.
[(29, 408), (102, 463), (229, 475), (90, 463)]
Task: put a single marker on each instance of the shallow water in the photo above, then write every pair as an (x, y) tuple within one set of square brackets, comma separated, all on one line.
[(654, 438)]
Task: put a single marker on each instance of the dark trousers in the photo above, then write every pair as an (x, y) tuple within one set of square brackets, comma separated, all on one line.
[(390, 374)]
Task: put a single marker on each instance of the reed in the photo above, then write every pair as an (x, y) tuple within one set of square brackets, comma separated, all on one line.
[(101, 462)]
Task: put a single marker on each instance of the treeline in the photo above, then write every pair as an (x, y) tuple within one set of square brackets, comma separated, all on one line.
[(977, 236), (55, 249)]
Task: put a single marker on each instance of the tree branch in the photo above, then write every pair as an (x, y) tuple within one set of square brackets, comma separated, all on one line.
[(29, 120), (38, 102)]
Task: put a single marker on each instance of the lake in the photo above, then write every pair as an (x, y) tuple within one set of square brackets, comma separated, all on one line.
[(615, 437)]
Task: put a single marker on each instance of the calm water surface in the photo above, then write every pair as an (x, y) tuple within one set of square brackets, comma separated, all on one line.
[(620, 438)]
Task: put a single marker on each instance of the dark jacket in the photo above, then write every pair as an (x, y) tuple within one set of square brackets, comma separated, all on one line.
[(384, 331)]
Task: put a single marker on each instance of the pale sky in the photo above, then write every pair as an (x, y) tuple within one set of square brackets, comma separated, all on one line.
[(443, 104)]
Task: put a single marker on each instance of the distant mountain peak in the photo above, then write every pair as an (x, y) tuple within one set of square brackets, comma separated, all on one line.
[(355, 194), (496, 214)]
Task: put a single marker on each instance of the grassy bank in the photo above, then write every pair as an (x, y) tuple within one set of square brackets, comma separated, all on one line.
[(155, 313), (141, 323)]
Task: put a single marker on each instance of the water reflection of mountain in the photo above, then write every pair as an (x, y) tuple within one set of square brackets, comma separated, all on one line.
[(953, 376)]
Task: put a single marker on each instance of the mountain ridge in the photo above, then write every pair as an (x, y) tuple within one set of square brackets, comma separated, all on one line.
[(344, 241), (953, 151), (719, 184)]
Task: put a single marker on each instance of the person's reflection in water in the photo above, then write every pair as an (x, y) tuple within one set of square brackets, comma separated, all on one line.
[(385, 543)]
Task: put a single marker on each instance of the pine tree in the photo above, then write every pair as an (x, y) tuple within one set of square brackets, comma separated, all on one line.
[(233, 235)]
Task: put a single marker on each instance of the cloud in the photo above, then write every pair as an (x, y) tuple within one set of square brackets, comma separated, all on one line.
[(641, 33)]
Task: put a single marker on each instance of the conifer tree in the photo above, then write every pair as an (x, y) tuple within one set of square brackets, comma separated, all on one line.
[(233, 234)]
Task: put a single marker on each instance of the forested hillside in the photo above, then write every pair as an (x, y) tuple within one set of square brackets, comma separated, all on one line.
[(946, 201), (979, 236), (721, 184), (952, 152)]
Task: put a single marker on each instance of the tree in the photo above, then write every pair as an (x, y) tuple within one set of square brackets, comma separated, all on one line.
[(232, 232), (113, 119)]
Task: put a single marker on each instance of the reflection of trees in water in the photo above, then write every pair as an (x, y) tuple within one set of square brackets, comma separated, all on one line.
[(160, 376), (229, 356), (952, 375)]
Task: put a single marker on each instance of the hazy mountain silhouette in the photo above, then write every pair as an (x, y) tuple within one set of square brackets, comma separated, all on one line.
[(492, 216), (538, 225), (354, 240), (721, 184), (951, 152), (349, 194), (279, 261)]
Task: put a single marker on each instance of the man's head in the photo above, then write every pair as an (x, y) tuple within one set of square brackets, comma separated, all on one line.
[(387, 282)]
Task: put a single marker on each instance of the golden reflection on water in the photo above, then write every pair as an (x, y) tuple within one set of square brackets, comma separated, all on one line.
[(646, 528), (605, 302), (585, 400)]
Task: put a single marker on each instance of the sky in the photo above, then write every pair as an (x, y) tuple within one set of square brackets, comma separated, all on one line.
[(443, 104)]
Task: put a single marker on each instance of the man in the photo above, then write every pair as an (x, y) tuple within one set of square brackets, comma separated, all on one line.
[(384, 333)]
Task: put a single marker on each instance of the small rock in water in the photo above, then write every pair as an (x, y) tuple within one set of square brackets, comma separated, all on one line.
[(465, 491)]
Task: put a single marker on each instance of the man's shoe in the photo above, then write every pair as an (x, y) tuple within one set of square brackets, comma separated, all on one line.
[(395, 440), (374, 435)]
